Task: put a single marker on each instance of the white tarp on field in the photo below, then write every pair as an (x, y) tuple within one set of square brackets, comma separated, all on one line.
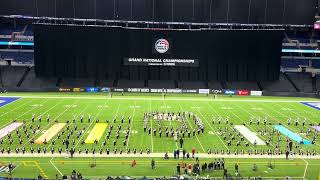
[(249, 135), (8, 129)]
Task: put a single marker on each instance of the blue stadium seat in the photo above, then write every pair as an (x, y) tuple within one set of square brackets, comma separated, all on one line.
[(294, 63), (20, 57)]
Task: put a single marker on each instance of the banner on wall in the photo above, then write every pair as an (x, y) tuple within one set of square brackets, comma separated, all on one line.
[(216, 91), (204, 91), (105, 89), (229, 92), (92, 89), (78, 89), (64, 90), (243, 92), (189, 90), (256, 93), (118, 90)]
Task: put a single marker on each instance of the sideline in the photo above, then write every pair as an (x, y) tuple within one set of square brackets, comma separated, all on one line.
[(200, 155), (161, 99)]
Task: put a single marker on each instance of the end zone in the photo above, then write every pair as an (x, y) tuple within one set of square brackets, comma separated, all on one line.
[(6, 100), (315, 105)]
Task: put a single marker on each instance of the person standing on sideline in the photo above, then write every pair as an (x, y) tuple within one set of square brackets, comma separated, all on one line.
[(133, 163), (153, 164), (178, 169), (225, 173), (236, 167)]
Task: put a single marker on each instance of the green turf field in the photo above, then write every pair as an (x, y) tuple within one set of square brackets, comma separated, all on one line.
[(63, 107)]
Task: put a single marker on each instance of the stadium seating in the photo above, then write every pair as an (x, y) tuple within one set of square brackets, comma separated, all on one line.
[(214, 85), (105, 83), (28, 31), (32, 83), (294, 63), (243, 85), (9, 29), (303, 81), (130, 84), (11, 76), (191, 84), (282, 85), (316, 64), (161, 84), (71, 82), (318, 83), (24, 79), (20, 57)]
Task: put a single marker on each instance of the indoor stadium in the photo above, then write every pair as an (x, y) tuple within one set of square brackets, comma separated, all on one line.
[(160, 89)]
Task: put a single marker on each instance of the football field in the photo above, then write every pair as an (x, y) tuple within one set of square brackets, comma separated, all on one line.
[(34, 128)]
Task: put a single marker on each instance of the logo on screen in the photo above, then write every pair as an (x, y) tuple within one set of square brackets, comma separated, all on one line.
[(162, 46)]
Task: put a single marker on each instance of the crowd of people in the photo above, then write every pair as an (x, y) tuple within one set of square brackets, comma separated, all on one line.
[(182, 130)]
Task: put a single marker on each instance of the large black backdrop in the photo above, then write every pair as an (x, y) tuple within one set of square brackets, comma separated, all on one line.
[(216, 11), (78, 51)]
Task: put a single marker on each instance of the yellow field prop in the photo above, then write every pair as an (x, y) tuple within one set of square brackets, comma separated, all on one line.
[(96, 133), (50, 133)]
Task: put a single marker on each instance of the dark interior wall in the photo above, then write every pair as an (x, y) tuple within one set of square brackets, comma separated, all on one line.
[(215, 11), (74, 51)]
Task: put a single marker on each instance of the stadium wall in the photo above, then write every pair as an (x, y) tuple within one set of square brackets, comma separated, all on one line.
[(209, 11), (99, 52)]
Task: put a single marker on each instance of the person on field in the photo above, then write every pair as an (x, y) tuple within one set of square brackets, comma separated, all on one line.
[(134, 163), (236, 167), (225, 173), (193, 151), (181, 142), (153, 164), (178, 169)]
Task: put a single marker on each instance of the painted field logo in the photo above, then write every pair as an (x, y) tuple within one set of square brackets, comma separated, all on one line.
[(5, 168), (7, 100), (162, 46), (315, 105)]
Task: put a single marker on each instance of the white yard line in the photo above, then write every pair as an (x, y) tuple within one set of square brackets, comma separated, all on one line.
[(305, 169), (225, 115), (300, 115), (72, 122), (16, 107), (271, 117), (134, 109), (288, 127), (88, 129), (249, 126), (110, 121), (245, 122), (165, 107), (51, 121), (11, 102), (55, 166), (213, 130), (196, 133), (151, 126), (20, 115)]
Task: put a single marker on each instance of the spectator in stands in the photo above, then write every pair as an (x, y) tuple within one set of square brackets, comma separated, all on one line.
[(39, 177)]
